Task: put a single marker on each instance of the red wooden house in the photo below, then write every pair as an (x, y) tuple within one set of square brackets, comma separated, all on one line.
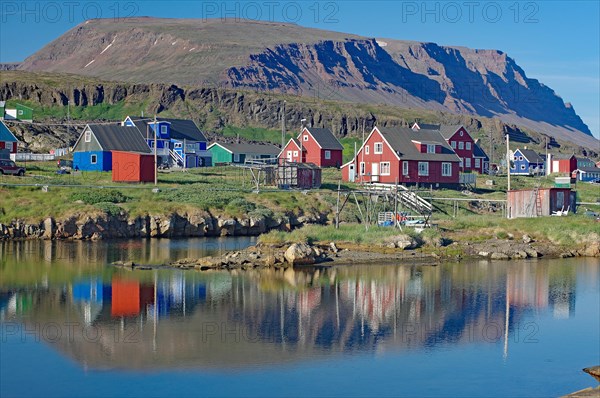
[(406, 156), (561, 163), (314, 145), (472, 156)]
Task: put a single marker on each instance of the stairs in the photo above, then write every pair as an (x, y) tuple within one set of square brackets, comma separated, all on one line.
[(177, 158), (407, 198)]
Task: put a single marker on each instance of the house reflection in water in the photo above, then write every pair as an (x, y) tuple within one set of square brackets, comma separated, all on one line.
[(221, 319)]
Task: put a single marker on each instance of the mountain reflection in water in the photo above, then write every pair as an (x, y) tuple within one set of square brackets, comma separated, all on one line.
[(113, 318)]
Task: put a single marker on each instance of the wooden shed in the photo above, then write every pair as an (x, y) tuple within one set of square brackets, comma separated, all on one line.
[(298, 175), (540, 202), (132, 167)]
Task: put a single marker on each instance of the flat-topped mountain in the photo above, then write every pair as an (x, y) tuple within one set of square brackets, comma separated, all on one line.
[(287, 58)]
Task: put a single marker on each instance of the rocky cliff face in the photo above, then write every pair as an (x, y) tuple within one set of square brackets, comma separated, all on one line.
[(290, 59), (212, 108), (85, 227)]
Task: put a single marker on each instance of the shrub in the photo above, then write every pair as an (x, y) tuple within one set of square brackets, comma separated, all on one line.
[(93, 196), (109, 208)]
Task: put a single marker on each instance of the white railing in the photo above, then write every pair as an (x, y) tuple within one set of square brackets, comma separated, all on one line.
[(33, 157), (177, 158)]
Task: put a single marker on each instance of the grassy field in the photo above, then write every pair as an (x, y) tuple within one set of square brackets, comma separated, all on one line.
[(227, 191)]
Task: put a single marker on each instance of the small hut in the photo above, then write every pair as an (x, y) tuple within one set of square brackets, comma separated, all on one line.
[(298, 175), (540, 202)]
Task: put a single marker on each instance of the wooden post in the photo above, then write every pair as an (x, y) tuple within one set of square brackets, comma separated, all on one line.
[(337, 208), (396, 224), (155, 154)]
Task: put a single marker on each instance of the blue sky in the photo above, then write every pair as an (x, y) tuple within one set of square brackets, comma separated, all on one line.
[(556, 42)]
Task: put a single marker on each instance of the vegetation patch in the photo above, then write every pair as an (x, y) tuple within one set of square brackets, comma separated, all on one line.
[(94, 196)]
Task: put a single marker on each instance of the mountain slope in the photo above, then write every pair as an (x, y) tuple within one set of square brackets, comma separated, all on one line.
[(287, 58)]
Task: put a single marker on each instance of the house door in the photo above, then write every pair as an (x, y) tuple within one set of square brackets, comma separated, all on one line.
[(351, 172), (375, 172)]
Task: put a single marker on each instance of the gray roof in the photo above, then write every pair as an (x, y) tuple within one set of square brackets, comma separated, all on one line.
[(589, 169), (325, 138), (114, 137), (479, 152), (401, 140), (562, 156), (427, 126), (448, 130), (251, 149), (181, 129), (531, 156)]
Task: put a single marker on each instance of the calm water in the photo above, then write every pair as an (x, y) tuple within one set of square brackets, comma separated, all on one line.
[(72, 326)]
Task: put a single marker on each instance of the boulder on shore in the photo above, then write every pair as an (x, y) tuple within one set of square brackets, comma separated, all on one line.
[(300, 254)]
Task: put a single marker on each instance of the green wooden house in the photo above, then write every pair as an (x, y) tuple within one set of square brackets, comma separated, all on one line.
[(20, 112), (2, 109), (241, 152)]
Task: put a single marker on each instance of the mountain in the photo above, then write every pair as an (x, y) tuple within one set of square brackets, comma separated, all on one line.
[(287, 58)]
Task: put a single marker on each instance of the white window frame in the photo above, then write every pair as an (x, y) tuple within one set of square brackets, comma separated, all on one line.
[(361, 168), (163, 129), (461, 145), (468, 146), (521, 158), (87, 137), (405, 167), (295, 154), (522, 167), (289, 156), (461, 133), (366, 149), (468, 163), (430, 148), (424, 172), (453, 144), (20, 112), (377, 145), (178, 145), (236, 157), (8, 146), (477, 163), (305, 137), (384, 168), (327, 155), (94, 159), (446, 169)]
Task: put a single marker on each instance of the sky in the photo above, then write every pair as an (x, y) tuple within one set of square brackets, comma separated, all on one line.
[(556, 42)]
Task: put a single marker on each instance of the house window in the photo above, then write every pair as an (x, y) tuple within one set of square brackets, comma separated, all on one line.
[(477, 163), (163, 129), (378, 149), (468, 163), (362, 168), (522, 167), (20, 112), (461, 133), (295, 153), (423, 168), (236, 157), (430, 148), (446, 169), (461, 145), (88, 136), (453, 143), (289, 156), (9, 146), (305, 137), (468, 146), (177, 144), (516, 158), (93, 159), (366, 150), (520, 157), (461, 162), (327, 155), (405, 168), (384, 168)]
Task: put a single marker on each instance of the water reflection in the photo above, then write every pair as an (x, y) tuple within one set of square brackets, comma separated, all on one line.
[(150, 319)]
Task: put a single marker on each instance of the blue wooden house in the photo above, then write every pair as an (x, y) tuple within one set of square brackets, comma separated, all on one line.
[(527, 162), (179, 142), (93, 149)]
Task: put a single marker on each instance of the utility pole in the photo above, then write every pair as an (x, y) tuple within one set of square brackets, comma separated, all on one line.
[(508, 162), (283, 126), (491, 153), (155, 154)]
